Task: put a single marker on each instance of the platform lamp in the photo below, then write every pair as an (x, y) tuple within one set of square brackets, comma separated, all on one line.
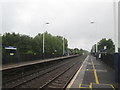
[(97, 54), (92, 22), (44, 41), (63, 46), (116, 54)]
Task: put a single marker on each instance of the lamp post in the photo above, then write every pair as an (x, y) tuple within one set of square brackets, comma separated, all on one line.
[(63, 46), (92, 22), (96, 50), (116, 54), (44, 42), (115, 6), (43, 45)]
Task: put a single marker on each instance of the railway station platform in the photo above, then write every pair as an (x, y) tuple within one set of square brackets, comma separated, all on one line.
[(21, 64), (93, 75)]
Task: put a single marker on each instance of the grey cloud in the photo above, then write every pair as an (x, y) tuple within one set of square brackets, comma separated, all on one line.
[(67, 18)]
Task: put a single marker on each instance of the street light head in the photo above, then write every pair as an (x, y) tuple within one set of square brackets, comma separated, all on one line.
[(92, 22), (47, 23)]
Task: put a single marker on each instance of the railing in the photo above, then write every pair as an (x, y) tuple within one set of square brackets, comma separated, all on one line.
[(108, 59)]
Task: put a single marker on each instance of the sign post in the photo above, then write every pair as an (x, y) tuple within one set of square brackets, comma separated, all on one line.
[(116, 54), (119, 36)]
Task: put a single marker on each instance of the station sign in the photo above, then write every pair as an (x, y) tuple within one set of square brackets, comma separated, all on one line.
[(105, 47), (10, 48)]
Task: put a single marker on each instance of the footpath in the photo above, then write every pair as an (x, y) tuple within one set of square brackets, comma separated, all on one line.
[(94, 75)]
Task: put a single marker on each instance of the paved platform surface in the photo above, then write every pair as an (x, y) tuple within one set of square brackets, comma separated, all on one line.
[(94, 75), (15, 65)]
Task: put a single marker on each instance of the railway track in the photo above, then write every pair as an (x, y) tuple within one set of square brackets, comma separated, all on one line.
[(63, 79), (43, 79), (16, 73), (22, 74)]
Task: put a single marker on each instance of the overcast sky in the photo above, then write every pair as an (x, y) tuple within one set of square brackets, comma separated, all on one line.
[(68, 18)]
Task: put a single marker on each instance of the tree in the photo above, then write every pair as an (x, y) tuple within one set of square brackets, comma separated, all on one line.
[(102, 43), (22, 42), (38, 43), (29, 45), (53, 44)]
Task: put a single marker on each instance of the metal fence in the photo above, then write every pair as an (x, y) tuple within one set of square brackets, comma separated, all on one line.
[(109, 59)]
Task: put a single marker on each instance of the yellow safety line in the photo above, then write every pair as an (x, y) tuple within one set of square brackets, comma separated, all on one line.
[(93, 70), (103, 84), (85, 87), (80, 85), (112, 87), (96, 79), (90, 86), (106, 85), (95, 73)]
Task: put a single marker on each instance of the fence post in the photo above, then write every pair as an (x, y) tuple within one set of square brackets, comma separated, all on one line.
[(118, 58), (116, 66)]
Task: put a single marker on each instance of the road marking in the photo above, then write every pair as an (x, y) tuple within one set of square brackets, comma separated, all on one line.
[(87, 86), (112, 87), (91, 86), (93, 70), (80, 85), (106, 85), (95, 73), (96, 78), (72, 81)]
